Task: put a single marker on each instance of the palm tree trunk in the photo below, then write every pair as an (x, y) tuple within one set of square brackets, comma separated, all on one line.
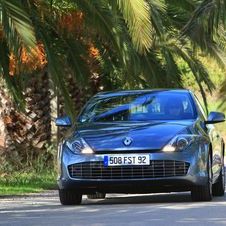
[(27, 134)]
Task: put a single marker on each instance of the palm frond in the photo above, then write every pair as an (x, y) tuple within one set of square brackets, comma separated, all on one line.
[(222, 95), (158, 14), (46, 33), (198, 70), (57, 73), (137, 16), (152, 72), (75, 54), (202, 27), (217, 53), (186, 5), (16, 24), (11, 82), (172, 71)]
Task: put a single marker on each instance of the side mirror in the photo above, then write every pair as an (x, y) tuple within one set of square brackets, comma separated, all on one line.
[(215, 117), (63, 121)]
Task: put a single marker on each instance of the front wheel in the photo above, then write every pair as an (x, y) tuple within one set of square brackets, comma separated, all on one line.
[(204, 193), (69, 197), (219, 187)]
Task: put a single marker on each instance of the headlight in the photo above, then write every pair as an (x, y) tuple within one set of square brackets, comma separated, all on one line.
[(180, 142), (79, 146)]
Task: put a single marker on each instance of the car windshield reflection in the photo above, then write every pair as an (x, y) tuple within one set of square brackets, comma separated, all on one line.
[(139, 107)]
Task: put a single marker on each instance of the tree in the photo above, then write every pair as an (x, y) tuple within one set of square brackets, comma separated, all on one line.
[(105, 44), (24, 23), (138, 41)]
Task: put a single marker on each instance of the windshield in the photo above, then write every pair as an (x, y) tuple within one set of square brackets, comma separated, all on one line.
[(139, 107)]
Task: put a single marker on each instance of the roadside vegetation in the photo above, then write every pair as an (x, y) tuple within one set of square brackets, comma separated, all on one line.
[(34, 176), (55, 54), (20, 183)]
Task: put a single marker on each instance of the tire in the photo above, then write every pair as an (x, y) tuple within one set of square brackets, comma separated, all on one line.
[(97, 195), (204, 193), (219, 187), (69, 197)]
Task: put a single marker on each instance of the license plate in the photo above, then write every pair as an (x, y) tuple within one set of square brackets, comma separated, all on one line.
[(125, 160)]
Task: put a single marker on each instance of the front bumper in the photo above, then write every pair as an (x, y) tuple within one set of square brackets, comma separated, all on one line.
[(134, 185), (195, 175)]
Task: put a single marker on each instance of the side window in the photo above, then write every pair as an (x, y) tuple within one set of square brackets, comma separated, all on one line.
[(200, 109)]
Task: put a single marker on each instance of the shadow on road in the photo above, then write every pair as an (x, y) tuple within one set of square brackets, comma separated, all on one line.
[(140, 199), (51, 198)]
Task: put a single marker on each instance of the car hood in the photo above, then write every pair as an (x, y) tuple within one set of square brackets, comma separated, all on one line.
[(144, 136)]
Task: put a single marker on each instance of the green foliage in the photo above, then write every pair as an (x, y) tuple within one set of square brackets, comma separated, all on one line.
[(122, 31), (16, 24), (62, 5), (216, 74), (137, 16), (18, 183), (35, 176), (34, 161)]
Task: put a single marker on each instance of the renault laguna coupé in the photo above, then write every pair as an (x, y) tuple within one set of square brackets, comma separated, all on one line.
[(141, 141)]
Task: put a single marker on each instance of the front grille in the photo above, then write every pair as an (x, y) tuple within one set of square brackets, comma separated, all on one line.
[(127, 151), (156, 169)]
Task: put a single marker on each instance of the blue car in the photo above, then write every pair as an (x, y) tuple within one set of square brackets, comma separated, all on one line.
[(141, 141)]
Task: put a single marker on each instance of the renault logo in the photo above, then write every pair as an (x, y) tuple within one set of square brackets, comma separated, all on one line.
[(127, 141)]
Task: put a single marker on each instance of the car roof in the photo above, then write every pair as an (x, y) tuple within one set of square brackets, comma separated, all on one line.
[(128, 92)]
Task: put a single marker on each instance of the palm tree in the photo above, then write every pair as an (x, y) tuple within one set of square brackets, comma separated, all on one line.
[(202, 28), (138, 44), (126, 33), (22, 24)]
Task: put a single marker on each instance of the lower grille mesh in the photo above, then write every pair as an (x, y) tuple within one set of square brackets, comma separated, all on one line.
[(156, 169)]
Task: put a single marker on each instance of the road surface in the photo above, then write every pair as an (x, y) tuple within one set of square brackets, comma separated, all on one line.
[(152, 209)]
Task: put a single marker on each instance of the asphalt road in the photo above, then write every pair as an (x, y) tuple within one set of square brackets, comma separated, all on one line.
[(155, 209)]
